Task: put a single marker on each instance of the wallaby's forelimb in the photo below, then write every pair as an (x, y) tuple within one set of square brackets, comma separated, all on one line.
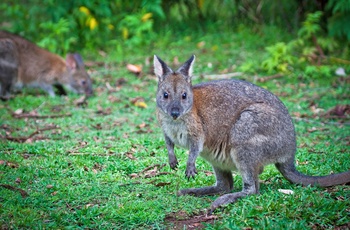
[(171, 155)]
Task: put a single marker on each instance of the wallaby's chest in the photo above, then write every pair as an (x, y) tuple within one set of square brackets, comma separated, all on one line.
[(177, 132)]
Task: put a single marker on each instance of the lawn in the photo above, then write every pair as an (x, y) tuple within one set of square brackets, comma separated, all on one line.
[(101, 162)]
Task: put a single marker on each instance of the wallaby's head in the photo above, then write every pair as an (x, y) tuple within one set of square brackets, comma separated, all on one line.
[(174, 95), (79, 79)]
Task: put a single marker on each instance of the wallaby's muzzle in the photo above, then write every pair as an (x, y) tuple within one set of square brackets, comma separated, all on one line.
[(175, 113)]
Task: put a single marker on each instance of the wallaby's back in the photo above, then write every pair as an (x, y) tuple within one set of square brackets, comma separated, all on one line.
[(221, 105), (34, 61), (40, 68)]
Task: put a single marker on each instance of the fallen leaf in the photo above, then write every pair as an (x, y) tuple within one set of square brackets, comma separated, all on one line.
[(89, 205), (313, 129), (49, 186), (195, 225), (315, 110), (109, 87), (54, 193), (141, 104), (83, 143), (176, 61), (301, 163), (113, 99), (339, 110), (18, 180), (340, 72), (130, 156), (162, 184), (81, 101), (134, 175), (208, 173), (18, 111), (286, 191), (120, 81), (136, 69), (97, 166), (200, 44), (97, 126), (297, 114), (12, 165), (23, 193)]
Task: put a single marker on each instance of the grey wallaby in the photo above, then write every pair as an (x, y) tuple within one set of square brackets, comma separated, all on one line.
[(234, 125), (22, 63)]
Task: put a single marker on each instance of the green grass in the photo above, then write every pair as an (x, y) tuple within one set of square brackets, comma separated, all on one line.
[(82, 174)]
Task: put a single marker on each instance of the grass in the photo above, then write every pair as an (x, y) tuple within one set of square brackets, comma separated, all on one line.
[(91, 171)]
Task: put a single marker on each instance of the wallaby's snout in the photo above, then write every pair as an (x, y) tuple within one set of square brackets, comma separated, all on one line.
[(175, 112)]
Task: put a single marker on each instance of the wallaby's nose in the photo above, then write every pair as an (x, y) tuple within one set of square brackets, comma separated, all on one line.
[(175, 113), (89, 92)]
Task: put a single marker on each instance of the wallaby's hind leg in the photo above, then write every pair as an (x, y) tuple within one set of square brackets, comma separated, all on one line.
[(8, 67), (250, 186), (224, 184)]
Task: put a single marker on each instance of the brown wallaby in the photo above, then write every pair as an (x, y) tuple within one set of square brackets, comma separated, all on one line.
[(22, 63), (232, 124)]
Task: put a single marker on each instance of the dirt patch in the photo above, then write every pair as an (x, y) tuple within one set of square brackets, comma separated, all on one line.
[(182, 220)]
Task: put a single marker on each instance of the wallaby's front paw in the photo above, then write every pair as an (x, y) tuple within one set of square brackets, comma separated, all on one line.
[(173, 162), (190, 171)]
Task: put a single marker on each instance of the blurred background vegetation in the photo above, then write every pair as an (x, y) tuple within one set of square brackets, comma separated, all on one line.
[(309, 33)]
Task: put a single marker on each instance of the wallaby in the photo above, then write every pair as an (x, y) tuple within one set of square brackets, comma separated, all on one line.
[(8, 67), (22, 63), (234, 125)]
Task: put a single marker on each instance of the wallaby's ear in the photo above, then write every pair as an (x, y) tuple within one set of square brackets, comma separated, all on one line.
[(187, 68), (70, 62), (160, 68), (79, 60), (74, 61)]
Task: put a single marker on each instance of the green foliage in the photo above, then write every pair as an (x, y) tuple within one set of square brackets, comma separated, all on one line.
[(57, 36), (279, 59), (137, 28), (306, 53), (67, 26), (111, 25), (338, 24), (310, 26)]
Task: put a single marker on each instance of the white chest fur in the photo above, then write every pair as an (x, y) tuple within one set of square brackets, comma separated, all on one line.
[(177, 131)]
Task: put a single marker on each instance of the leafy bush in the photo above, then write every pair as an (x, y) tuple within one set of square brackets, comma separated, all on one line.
[(338, 22), (71, 25), (307, 52)]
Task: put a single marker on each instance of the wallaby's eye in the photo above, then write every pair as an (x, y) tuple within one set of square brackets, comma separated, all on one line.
[(184, 95), (166, 95), (83, 82)]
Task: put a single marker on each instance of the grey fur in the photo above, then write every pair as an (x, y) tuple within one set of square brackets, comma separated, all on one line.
[(234, 125)]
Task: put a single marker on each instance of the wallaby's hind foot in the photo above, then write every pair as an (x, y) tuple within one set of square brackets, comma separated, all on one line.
[(210, 190), (224, 184), (226, 199)]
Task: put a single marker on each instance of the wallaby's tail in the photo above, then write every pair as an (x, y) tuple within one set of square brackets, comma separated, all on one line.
[(289, 171)]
